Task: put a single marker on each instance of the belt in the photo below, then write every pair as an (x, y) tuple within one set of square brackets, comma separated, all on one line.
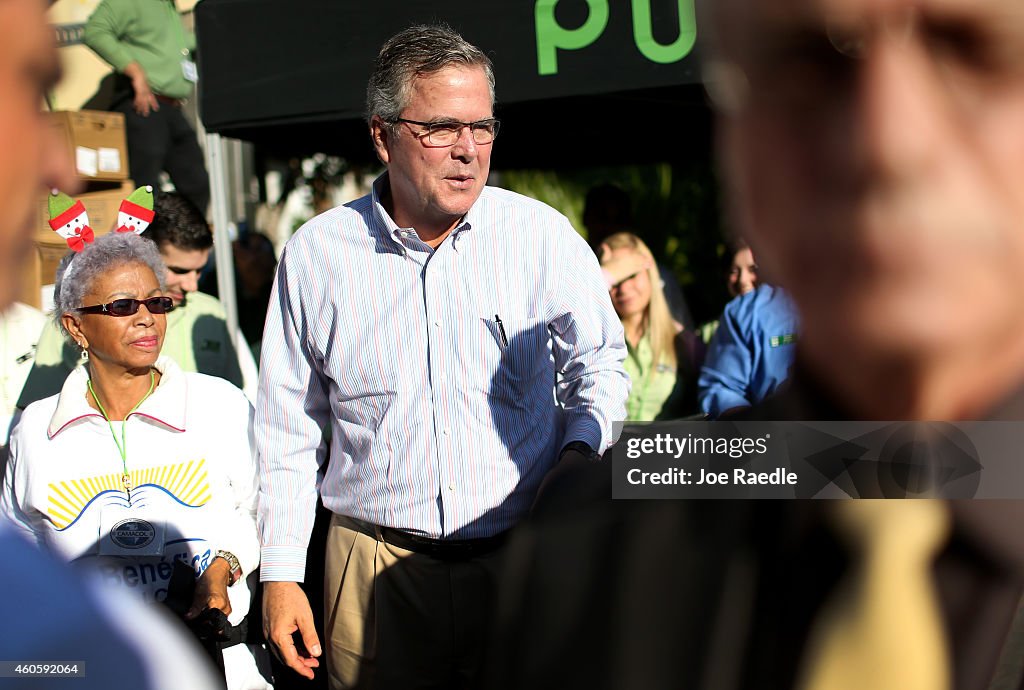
[(442, 549), (176, 102)]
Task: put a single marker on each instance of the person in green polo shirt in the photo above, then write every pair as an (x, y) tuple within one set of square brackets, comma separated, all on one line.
[(662, 357), (197, 337), (151, 51)]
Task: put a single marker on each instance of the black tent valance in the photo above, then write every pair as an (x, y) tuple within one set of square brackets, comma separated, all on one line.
[(588, 77)]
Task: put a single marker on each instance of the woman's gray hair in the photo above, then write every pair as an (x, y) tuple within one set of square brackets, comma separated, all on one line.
[(77, 271), (421, 49)]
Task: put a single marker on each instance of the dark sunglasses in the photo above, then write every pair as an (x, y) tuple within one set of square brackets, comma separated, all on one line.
[(127, 307)]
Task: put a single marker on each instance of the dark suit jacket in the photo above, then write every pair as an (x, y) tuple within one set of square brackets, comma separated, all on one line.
[(719, 594)]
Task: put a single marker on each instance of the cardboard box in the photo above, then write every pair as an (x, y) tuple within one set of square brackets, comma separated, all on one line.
[(49, 256), (40, 270), (34, 273), (95, 140), (50, 247)]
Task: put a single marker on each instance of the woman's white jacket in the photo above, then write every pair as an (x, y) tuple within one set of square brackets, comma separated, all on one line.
[(191, 459)]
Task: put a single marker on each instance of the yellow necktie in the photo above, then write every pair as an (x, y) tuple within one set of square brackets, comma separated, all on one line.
[(883, 630)]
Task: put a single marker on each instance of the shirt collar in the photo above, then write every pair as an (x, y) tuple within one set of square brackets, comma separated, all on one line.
[(166, 406), (643, 346), (396, 234)]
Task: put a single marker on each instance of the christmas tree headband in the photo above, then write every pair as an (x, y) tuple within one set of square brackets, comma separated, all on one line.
[(68, 217)]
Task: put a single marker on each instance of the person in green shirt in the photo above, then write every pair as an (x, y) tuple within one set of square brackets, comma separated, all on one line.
[(662, 357), (151, 51), (197, 337)]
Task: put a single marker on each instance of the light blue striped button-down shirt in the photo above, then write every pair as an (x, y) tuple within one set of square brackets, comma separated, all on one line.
[(443, 420)]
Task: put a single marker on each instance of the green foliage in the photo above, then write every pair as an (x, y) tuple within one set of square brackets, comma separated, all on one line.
[(675, 211), (554, 189)]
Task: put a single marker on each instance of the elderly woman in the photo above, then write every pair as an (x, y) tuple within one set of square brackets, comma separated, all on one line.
[(137, 470), (662, 358)]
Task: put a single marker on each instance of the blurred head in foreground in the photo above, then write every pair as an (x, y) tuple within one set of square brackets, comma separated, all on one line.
[(32, 158), (875, 159)]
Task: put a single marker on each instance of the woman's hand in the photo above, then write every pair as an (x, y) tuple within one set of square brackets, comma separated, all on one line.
[(212, 589), (619, 267)]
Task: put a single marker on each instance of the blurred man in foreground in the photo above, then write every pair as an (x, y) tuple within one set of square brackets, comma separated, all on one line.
[(31, 160), (49, 615), (875, 157)]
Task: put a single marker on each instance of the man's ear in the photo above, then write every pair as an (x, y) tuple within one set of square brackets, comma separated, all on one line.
[(72, 325), (380, 133)]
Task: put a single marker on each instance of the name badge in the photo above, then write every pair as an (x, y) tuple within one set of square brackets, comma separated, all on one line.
[(188, 68), (126, 531)]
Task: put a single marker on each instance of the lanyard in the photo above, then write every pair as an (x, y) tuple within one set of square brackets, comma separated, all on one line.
[(122, 445)]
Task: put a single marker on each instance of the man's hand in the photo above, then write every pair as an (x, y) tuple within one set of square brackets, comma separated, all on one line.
[(145, 101), (212, 589), (285, 611), (569, 462)]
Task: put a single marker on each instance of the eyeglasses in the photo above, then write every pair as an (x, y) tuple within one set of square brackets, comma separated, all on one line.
[(127, 307), (447, 132), (797, 69)]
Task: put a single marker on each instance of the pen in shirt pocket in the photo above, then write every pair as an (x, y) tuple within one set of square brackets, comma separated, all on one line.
[(501, 331)]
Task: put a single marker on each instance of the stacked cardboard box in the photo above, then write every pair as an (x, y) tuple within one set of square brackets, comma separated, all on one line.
[(96, 143)]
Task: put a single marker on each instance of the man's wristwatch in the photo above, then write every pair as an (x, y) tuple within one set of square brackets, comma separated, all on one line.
[(233, 565), (583, 449)]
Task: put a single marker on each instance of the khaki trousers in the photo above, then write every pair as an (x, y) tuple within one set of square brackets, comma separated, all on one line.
[(398, 619)]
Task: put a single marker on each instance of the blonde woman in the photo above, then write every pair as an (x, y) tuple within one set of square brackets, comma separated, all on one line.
[(662, 358)]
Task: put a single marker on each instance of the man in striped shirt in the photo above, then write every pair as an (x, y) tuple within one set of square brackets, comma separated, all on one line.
[(459, 343)]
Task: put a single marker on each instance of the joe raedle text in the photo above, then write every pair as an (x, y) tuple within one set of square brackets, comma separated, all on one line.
[(702, 476)]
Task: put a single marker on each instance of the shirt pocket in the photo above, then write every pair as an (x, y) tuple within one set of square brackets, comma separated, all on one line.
[(516, 351)]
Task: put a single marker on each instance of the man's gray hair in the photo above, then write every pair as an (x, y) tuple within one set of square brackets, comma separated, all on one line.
[(419, 50), (77, 271)]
